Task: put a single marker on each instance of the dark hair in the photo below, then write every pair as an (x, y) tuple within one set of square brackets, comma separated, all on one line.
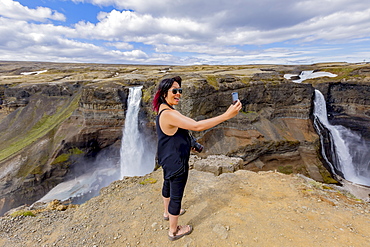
[(161, 94)]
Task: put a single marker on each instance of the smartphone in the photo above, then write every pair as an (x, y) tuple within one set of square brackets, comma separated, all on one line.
[(235, 97)]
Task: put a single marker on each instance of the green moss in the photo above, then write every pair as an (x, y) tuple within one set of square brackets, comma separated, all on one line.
[(42, 127), (316, 184), (285, 169), (251, 115), (64, 157), (328, 179), (340, 71), (76, 151), (245, 80), (212, 80), (148, 181), (327, 187), (61, 158), (325, 174), (147, 94), (22, 213)]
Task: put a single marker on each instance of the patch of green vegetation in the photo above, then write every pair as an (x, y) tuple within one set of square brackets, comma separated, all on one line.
[(46, 124), (315, 184), (245, 80), (327, 187), (148, 181), (285, 169), (325, 174), (26, 169), (249, 112), (212, 80), (64, 157), (76, 151), (328, 179), (32, 168), (23, 213), (37, 170), (340, 71), (61, 158), (147, 94)]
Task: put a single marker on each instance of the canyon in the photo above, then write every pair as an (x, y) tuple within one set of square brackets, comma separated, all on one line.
[(54, 124)]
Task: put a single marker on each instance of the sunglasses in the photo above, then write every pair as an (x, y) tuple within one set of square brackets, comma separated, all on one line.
[(177, 90)]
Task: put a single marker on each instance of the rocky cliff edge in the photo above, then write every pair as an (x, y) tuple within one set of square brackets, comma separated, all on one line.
[(244, 208)]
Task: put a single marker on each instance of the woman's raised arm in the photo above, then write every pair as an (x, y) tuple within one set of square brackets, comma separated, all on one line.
[(176, 119)]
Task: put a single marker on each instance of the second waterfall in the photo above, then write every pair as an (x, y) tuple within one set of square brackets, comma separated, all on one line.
[(136, 158), (347, 153)]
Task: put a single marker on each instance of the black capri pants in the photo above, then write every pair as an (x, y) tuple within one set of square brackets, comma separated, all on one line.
[(173, 188)]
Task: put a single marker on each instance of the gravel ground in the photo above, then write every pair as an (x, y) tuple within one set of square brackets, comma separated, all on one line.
[(234, 209)]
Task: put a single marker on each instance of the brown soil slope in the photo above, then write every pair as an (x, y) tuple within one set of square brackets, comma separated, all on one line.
[(236, 209)]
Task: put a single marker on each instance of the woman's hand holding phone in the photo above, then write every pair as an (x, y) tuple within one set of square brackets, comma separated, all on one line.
[(235, 107)]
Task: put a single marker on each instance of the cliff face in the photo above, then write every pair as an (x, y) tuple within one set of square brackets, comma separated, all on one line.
[(48, 130), (273, 131), (349, 105), (50, 121)]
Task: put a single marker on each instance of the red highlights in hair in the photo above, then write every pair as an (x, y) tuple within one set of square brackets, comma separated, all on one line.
[(157, 101)]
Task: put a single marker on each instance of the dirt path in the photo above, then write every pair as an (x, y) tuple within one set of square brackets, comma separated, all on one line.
[(238, 209)]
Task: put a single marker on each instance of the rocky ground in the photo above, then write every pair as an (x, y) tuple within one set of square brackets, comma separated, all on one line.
[(234, 209)]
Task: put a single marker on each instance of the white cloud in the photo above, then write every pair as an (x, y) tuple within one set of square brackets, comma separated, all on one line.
[(197, 31), (14, 10), (195, 48), (137, 5), (131, 26), (337, 27), (261, 15), (177, 29), (135, 54), (24, 41), (22, 34), (121, 45)]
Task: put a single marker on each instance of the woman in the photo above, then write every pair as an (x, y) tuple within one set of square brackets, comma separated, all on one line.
[(174, 148)]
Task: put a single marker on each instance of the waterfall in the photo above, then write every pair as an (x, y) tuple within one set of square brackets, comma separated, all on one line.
[(136, 159), (348, 154)]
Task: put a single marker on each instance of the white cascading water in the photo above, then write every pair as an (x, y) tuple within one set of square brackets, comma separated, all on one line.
[(309, 74), (351, 150), (101, 173), (136, 159)]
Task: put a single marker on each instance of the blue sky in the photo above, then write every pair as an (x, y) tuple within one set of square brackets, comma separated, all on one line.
[(185, 32)]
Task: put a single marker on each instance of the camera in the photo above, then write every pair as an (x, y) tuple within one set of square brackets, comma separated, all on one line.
[(194, 144)]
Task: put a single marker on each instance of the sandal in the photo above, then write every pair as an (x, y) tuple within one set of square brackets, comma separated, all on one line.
[(176, 237), (182, 211)]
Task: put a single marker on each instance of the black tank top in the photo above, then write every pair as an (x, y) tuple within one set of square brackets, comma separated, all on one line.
[(173, 151)]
